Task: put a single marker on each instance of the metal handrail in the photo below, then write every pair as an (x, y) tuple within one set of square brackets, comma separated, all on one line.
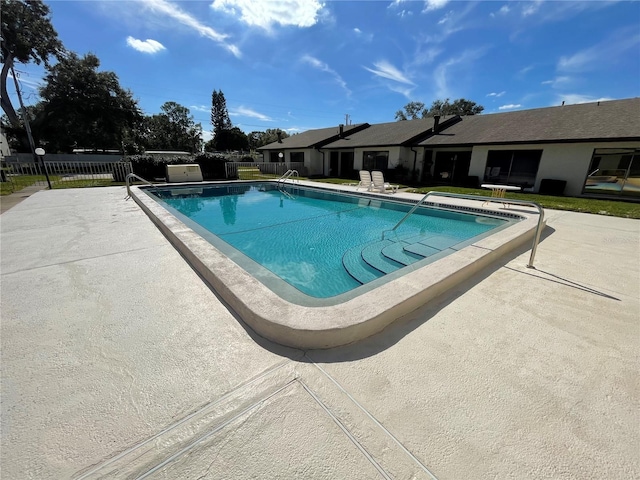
[(133, 175), (289, 173), (536, 238)]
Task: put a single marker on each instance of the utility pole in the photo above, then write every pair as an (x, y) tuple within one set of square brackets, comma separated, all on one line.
[(27, 127)]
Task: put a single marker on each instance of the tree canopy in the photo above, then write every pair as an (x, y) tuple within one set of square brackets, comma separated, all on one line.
[(219, 114), (173, 129), (84, 108), (461, 106), (27, 35), (259, 139)]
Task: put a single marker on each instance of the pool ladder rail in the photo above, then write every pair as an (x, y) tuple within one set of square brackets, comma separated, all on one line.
[(536, 237), (137, 177), (287, 176)]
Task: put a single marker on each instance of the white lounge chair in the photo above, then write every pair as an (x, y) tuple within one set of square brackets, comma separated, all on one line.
[(379, 185), (365, 180)]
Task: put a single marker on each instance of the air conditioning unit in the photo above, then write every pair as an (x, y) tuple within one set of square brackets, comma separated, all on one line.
[(184, 173)]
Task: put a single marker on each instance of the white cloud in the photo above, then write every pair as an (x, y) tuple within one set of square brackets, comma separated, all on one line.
[(559, 82), (525, 70), (430, 5), (531, 8), (27, 82), (503, 11), (593, 58), (442, 71), (496, 94), (163, 7), (446, 18), (365, 36), (247, 112), (385, 70), (319, 65), (200, 108), (574, 98), (266, 13), (511, 106), (145, 46)]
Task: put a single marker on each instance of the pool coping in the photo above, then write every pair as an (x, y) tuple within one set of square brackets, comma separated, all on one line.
[(304, 327)]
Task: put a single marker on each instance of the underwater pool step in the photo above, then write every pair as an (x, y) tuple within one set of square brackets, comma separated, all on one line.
[(372, 255), (356, 267), (421, 249), (397, 252)]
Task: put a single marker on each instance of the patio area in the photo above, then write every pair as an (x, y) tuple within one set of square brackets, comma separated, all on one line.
[(118, 361)]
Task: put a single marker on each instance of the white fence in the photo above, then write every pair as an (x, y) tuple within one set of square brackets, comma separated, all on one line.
[(261, 170), (65, 173)]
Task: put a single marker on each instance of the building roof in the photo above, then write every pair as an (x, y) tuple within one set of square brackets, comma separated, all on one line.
[(388, 134), (598, 121), (313, 138), (610, 120)]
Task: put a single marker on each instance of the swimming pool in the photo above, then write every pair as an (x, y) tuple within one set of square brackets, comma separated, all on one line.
[(285, 314), (322, 244)]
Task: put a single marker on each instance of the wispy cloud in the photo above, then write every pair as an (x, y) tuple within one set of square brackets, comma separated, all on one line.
[(397, 5), (365, 36), (510, 106), (265, 13), (430, 5), (529, 8), (559, 82), (595, 57), (503, 11), (496, 94), (200, 108), (443, 71), (27, 82), (145, 46), (319, 65), (163, 7), (247, 112), (385, 70), (574, 98)]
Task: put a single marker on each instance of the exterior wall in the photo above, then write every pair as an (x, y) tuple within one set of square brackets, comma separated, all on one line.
[(560, 161), (313, 162)]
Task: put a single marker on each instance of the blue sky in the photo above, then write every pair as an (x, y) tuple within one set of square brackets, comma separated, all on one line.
[(302, 64)]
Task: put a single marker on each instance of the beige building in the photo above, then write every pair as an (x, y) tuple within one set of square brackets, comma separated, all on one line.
[(576, 150)]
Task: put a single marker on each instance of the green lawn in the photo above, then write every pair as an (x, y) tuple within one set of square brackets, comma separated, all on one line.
[(613, 208), (19, 182)]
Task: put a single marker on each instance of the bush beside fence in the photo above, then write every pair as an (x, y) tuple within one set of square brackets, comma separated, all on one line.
[(154, 167)]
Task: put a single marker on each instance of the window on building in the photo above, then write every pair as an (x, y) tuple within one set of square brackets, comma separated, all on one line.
[(512, 167), (375, 161)]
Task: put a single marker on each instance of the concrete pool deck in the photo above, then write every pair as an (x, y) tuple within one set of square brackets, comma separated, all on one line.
[(118, 361)]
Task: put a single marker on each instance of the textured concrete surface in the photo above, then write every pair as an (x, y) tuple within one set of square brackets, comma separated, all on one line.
[(13, 199), (119, 362)]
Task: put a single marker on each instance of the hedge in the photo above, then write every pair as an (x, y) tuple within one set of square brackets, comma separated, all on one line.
[(153, 167)]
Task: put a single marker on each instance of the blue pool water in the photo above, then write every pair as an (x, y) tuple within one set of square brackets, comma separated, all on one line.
[(322, 243)]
